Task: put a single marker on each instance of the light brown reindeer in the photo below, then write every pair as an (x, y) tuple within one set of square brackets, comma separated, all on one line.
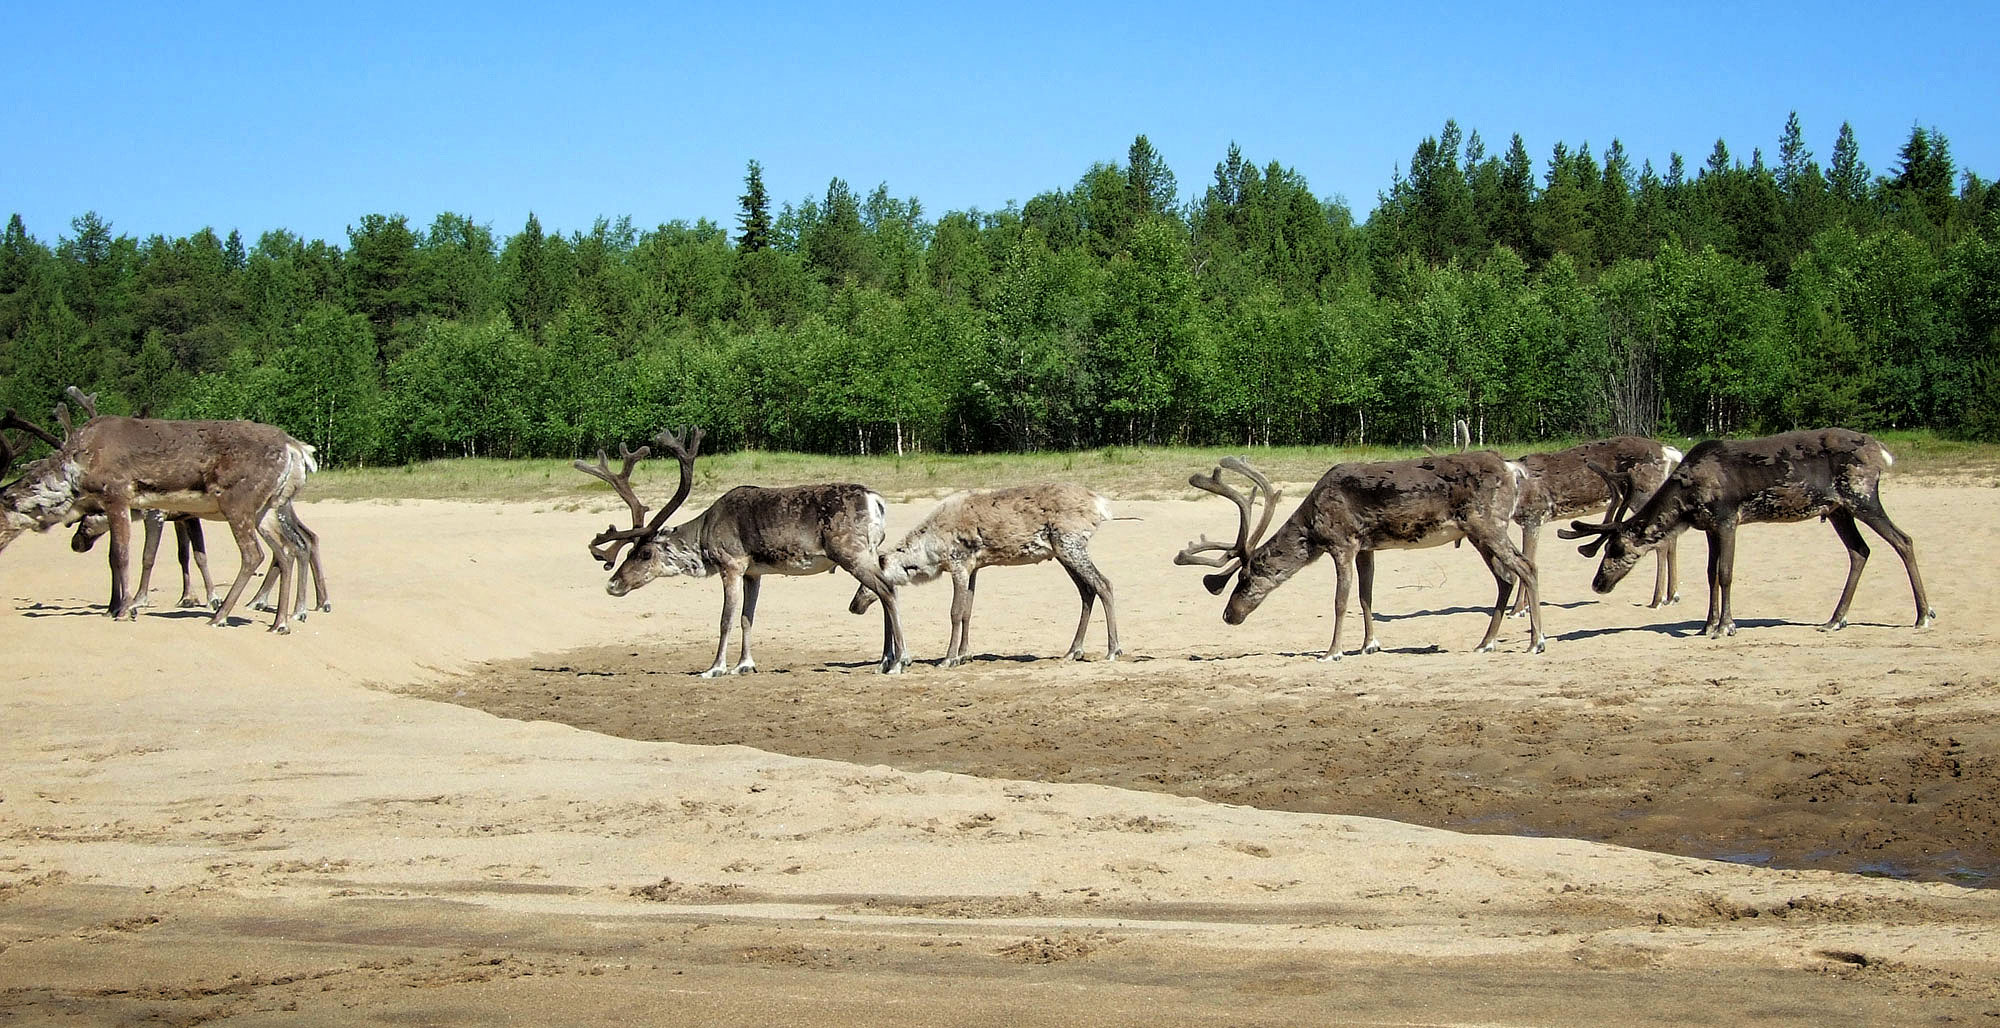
[(1607, 475), (237, 471), (190, 547), (1356, 509), (747, 533), (1004, 527), (1830, 473)]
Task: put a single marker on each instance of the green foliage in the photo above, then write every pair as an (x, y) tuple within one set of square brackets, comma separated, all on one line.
[(1578, 299)]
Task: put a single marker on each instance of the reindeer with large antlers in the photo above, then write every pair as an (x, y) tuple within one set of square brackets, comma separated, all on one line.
[(1356, 509), (1829, 473), (747, 533), (1608, 475), (237, 471)]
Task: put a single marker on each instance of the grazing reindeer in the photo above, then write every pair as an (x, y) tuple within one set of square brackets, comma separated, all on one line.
[(237, 471), (189, 544), (1829, 473), (189, 547), (1359, 508), (745, 534), (1022, 525), (1606, 474)]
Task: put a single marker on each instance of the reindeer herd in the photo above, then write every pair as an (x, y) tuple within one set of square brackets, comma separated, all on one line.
[(108, 471)]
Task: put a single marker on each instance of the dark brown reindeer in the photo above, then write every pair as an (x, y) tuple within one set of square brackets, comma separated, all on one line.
[(1359, 508), (747, 533), (1602, 475), (237, 471), (1006, 527), (1830, 473)]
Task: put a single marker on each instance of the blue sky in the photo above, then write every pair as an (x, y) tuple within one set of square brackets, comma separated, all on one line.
[(168, 117)]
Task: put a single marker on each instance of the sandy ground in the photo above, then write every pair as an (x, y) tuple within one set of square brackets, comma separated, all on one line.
[(482, 791)]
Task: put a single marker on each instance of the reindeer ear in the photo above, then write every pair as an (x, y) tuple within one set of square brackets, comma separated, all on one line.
[(1590, 548), (1216, 582)]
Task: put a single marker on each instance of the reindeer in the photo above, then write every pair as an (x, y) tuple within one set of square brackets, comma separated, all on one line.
[(1607, 474), (1829, 473), (237, 471), (1007, 527), (189, 545), (1356, 509), (748, 532)]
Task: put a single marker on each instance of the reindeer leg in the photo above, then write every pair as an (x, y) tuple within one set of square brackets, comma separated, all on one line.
[(1721, 572), (962, 585), (274, 534), (732, 601), (188, 534), (120, 520), (752, 584), (1857, 558), (1503, 576), (242, 525), (1090, 585), (1343, 573), (154, 526), (1878, 519), (1076, 560), (1364, 569), (324, 600), (867, 570), (1666, 575), (1531, 536)]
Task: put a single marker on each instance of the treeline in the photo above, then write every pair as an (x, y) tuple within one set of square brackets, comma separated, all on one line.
[(1577, 299)]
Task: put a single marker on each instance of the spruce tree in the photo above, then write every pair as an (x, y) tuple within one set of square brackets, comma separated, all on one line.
[(754, 226)]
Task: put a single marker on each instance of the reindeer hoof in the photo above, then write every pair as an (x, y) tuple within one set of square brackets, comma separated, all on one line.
[(326, 608), (746, 668), (718, 671), (1834, 626), (1330, 656), (1371, 646), (1073, 655), (1113, 654), (281, 629), (1488, 648), (1929, 616), (1540, 646)]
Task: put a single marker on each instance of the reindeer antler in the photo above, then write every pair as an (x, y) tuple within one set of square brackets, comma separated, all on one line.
[(621, 483), (1621, 489), (85, 402), (608, 543), (1236, 554), (14, 420), (685, 453), (7, 450)]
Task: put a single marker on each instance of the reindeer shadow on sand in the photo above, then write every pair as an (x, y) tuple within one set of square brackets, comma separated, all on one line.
[(1677, 629)]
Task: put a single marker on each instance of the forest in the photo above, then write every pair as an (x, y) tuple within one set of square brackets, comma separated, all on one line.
[(1578, 297)]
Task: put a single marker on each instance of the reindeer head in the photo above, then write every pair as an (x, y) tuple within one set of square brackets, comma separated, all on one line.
[(1254, 578), (1620, 543), (42, 496), (88, 529), (657, 552)]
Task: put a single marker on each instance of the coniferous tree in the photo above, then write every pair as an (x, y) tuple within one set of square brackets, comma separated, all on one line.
[(754, 224), (1153, 190)]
